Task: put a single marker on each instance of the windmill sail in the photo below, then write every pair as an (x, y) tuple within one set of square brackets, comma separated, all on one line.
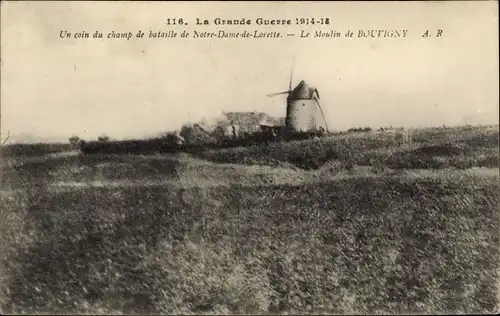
[(289, 83), (322, 114), (273, 94)]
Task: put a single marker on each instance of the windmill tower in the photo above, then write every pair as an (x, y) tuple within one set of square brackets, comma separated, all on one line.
[(302, 108)]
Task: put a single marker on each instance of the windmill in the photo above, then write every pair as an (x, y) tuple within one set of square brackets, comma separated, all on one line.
[(302, 105)]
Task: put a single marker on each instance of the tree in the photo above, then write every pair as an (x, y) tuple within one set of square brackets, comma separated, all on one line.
[(219, 133), (74, 139), (171, 138), (103, 138), (187, 132)]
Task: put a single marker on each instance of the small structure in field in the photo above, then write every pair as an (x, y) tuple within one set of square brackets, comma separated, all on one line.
[(239, 124)]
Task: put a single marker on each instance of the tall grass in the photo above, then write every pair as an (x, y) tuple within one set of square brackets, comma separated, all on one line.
[(460, 148), (341, 238), (389, 244)]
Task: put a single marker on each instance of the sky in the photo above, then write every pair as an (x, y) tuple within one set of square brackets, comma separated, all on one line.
[(53, 88)]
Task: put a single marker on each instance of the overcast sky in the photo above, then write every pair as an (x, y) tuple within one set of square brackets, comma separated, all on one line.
[(53, 87)]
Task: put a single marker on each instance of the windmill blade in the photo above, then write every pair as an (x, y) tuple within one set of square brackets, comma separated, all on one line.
[(291, 74), (322, 114), (273, 94)]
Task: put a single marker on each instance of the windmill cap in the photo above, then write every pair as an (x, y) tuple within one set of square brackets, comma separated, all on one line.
[(302, 91)]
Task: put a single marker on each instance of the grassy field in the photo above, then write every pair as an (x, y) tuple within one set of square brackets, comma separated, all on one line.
[(30, 150), (350, 224), (434, 148)]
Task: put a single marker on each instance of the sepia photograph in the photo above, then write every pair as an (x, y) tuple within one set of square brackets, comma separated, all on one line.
[(281, 157)]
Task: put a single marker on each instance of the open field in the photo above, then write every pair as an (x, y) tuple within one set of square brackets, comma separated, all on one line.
[(350, 224)]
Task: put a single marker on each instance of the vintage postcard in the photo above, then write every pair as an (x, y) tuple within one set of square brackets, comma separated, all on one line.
[(249, 157)]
